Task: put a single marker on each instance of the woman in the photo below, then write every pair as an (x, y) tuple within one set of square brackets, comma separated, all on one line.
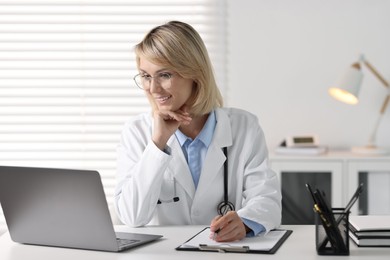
[(171, 163)]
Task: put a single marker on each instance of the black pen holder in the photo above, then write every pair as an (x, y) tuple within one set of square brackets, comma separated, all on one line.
[(332, 239)]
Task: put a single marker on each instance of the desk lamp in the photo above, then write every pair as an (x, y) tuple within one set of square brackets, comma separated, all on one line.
[(347, 91)]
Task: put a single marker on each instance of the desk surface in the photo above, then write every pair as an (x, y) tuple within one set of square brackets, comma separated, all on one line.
[(300, 244)]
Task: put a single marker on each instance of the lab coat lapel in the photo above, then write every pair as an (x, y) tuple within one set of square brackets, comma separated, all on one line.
[(215, 158), (180, 169), (212, 165)]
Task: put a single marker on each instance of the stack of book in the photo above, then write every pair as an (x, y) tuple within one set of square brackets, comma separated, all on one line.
[(370, 230), (312, 150)]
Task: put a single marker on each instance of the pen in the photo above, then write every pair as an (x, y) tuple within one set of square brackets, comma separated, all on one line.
[(318, 210), (216, 233), (219, 229)]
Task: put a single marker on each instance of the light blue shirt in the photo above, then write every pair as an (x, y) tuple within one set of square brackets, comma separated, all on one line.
[(195, 152)]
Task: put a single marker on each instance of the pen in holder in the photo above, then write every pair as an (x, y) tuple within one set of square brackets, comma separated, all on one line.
[(332, 232)]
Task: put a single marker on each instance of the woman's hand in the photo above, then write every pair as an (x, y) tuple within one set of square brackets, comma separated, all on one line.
[(166, 123), (227, 228)]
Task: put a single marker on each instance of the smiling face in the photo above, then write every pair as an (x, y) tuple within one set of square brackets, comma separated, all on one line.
[(171, 98)]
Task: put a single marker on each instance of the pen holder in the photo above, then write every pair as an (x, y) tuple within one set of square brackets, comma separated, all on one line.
[(333, 238)]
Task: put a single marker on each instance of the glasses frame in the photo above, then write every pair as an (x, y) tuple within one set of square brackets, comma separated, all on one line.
[(140, 86)]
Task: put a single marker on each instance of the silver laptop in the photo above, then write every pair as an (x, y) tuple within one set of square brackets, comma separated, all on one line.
[(61, 207)]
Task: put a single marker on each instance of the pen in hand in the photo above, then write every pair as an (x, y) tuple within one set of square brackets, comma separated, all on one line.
[(214, 234), (227, 228)]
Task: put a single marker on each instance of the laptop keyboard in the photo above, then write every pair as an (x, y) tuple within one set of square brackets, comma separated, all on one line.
[(125, 243)]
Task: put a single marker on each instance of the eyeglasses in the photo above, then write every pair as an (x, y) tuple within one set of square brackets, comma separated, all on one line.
[(144, 81)]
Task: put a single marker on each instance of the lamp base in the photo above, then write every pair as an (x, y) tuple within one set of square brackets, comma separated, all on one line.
[(369, 150)]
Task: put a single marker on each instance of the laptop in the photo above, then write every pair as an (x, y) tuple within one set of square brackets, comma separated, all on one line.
[(62, 208)]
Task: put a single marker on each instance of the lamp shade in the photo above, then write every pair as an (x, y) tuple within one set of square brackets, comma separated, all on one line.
[(347, 87)]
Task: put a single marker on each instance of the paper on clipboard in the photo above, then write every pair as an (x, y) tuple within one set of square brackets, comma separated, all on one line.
[(262, 242)]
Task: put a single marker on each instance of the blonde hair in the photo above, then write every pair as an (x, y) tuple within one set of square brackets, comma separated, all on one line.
[(178, 46)]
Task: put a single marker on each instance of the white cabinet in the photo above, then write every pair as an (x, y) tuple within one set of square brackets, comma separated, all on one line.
[(338, 173), (375, 173)]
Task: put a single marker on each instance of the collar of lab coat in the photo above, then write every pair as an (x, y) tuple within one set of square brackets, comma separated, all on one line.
[(213, 162)]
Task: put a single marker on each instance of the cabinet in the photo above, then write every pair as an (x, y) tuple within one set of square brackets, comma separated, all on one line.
[(375, 174), (338, 173)]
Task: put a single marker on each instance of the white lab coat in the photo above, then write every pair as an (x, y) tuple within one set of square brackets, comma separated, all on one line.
[(147, 174)]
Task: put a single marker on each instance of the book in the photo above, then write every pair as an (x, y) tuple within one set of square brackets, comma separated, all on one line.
[(370, 233), (370, 230), (314, 150), (370, 223), (370, 241)]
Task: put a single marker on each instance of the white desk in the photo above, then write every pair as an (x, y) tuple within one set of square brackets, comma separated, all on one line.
[(300, 245)]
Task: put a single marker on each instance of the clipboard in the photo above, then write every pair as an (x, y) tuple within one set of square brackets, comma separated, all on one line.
[(261, 244)]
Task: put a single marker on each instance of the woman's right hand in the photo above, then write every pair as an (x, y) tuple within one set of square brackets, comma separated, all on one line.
[(166, 123)]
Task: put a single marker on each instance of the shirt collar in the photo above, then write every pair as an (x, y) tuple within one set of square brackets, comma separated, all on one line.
[(205, 136)]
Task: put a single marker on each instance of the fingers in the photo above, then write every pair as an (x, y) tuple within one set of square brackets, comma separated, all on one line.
[(227, 228), (214, 226), (179, 116), (166, 123)]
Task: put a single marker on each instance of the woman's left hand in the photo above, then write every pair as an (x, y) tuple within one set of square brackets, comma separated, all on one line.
[(227, 228)]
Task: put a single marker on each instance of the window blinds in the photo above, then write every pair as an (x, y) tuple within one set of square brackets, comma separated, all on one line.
[(66, 70)]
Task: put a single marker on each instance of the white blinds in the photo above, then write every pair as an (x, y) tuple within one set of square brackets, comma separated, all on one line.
[(66, 71)]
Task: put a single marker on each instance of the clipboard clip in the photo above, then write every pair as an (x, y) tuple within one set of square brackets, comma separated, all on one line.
[(224, 249)]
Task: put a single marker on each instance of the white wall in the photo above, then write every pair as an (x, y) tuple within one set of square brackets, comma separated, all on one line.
[(283, 56)]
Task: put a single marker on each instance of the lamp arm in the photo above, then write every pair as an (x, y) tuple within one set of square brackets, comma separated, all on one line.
[(376, 73), (385, 104), (372, 140)]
